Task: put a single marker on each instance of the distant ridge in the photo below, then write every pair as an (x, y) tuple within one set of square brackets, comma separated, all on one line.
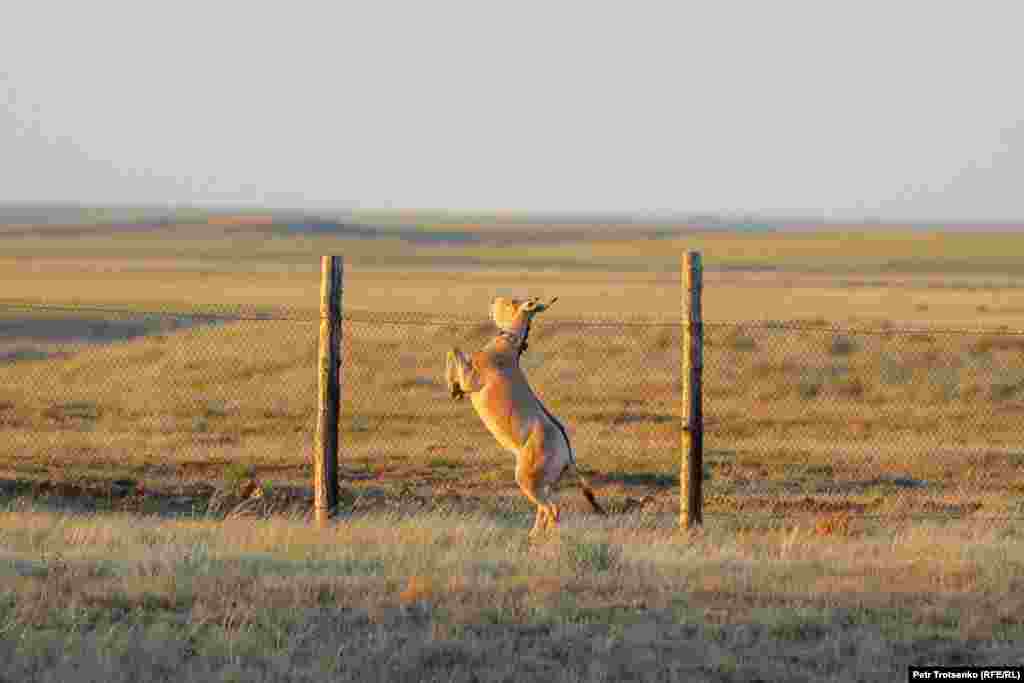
[(388, 222)]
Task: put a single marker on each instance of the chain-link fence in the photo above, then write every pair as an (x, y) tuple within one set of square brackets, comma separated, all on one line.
[(798, 418), (872, 421)]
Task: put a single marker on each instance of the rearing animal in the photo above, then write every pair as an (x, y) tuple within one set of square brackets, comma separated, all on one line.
[(511, 411)]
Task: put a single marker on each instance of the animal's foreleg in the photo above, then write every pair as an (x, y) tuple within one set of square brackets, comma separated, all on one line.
[(460, 375)]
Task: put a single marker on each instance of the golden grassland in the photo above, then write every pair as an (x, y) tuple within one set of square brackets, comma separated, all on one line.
[(828, 251), (938, 278), (451, 596), (857, 485)]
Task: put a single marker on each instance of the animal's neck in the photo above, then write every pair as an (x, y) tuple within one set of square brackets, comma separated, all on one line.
[(522, 344), (511, 336), (516, 336), (514, 343)]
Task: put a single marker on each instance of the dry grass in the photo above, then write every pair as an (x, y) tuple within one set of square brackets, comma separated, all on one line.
[(948, 279), (438, 595)]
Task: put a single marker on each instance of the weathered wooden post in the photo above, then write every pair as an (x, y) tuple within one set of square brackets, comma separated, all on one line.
[(325, 451), (691, 473)]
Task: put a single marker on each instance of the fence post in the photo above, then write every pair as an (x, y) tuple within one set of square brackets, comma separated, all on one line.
[(325, 451), (691, 473)]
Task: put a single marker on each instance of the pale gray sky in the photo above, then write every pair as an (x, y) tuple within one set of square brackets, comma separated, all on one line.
[(897, 109)]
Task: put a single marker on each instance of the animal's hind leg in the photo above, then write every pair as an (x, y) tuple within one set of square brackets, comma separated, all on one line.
[(528, 485), (530, 477), (460, 375), (539, 522), (553, 514)]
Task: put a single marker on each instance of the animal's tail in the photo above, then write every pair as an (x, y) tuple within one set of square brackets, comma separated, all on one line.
[(588, 492)]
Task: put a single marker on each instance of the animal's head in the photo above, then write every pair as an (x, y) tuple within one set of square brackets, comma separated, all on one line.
[(514, 315)]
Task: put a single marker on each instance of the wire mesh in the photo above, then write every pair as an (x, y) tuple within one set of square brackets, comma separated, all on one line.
[(619, 405), (799, 418), (887, 422)]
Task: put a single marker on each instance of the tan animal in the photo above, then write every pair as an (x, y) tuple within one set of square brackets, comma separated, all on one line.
[(511, 411)]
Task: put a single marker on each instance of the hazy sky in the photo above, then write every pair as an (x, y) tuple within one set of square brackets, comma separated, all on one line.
[(896, 109)]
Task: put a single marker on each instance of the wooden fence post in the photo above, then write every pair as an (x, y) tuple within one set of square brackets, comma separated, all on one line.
[(325, 451), (691, 473)]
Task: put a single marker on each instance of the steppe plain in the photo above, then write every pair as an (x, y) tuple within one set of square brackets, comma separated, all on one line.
[(864, 467)]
